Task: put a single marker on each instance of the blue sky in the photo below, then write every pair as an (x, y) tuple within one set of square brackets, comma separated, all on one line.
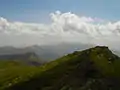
[(95, 27), (38, 10)]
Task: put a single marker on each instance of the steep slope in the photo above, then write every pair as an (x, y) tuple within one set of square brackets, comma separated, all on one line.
[(92, 69)]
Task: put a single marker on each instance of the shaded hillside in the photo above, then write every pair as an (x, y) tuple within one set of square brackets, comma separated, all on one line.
[(18, 56), (92, 69), (28, 58)]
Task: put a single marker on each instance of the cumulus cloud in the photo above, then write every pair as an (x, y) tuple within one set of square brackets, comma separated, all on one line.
[(65, 27)]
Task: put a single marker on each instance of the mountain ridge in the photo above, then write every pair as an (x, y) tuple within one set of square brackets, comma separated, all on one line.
[(47, 52), (29, 58), (92, 69)]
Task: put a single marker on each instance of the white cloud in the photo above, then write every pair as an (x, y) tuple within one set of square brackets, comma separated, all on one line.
[(65, 27)]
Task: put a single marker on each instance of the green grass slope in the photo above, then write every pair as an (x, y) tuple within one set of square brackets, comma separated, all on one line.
[(92, 69), (12, 72)]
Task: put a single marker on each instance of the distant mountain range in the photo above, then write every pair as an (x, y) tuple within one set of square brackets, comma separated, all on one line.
[(45, 53)]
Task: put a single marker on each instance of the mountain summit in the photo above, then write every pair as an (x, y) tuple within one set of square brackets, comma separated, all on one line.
[(92, 69)]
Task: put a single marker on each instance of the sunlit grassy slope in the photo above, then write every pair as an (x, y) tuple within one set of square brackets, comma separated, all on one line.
[(92, 69), (12, 72)]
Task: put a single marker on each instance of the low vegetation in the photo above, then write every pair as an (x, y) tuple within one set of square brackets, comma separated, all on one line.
[(92, 69)]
